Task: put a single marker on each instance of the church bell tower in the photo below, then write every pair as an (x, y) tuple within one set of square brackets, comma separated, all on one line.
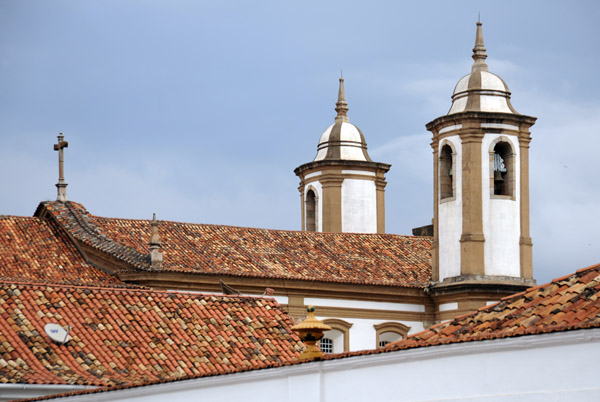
[(482, 245), (342, 189)]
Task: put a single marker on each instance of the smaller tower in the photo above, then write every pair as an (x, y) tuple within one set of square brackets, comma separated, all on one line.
[(342, 189)]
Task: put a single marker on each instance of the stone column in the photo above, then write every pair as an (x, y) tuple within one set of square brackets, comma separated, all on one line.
[(472, 259), (525, 243)]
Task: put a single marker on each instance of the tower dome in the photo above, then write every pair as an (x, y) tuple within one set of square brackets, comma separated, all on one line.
[(342, 140), (481, 91)]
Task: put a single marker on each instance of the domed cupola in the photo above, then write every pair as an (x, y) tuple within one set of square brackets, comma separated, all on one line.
[(342, 189), (342, 140), (481, 91)]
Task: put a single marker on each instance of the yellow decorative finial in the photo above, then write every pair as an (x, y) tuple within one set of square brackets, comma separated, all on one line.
[(310, 332)]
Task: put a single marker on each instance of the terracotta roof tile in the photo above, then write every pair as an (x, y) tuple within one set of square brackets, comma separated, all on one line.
[(570, 302), (35, 250), (127, 336), (381, 259)]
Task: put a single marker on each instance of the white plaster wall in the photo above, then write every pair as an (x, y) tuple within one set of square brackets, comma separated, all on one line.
[(450, 218), (359, 206), (555, 367), (318, 189), (501, 217)]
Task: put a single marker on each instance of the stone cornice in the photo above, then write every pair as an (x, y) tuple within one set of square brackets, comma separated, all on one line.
[(345, 164), (488, 117)]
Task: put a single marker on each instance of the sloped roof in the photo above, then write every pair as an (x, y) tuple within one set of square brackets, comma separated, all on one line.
[(132, 336), (35, 250), (567, 303), (380, 259)]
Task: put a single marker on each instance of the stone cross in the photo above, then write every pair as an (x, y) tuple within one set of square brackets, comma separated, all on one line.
[(61, 186)]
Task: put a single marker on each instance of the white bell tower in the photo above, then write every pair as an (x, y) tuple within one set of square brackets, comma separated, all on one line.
[(342, 189), (481, 187)]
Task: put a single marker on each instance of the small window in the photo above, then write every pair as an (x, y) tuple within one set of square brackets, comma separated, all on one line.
[(311, 209), (502, 166), (388, 332), (446, 173), (326, 345)]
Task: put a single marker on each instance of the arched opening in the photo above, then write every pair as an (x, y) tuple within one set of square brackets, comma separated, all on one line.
[(339, 335), (311, 211), (388, 332), (502, 166), (446, 173)]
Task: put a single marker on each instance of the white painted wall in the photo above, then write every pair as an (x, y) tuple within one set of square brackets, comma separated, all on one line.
[(359, 206), (558, 367), (501, 217), (450, 218)]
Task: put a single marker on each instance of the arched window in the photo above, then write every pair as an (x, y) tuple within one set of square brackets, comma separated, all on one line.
[(446, 173), (502, 167), (311, 211), (390, 332), (339, 334)]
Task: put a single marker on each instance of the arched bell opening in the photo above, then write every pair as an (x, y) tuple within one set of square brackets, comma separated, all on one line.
[(502, 169)]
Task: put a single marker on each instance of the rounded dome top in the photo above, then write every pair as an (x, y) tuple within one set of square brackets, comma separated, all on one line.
[(342, 140), (481, 91)]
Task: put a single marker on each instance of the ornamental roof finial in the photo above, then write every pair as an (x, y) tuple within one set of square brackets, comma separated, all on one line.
[(310, 332), (156, 257), (479, 51), (341, 106), (61, 186)]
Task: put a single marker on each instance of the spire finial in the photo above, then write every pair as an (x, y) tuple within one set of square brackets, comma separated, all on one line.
[(341, 106), (479, 51), (61, 186), (156, 256)]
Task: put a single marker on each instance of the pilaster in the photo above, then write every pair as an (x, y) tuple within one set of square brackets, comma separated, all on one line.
[(525, 242), (332, 202), (472, 239)]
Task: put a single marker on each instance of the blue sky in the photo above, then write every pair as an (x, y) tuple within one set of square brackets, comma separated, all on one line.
[(200, 110)]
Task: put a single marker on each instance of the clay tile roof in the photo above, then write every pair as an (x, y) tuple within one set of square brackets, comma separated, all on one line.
[(35, 250), (132, 336), (567, 303), (380, 259)]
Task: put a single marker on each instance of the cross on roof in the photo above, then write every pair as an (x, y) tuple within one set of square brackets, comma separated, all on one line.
[(61, 186)]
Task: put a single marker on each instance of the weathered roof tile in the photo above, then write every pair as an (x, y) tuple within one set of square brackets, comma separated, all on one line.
[(381, 259), (36, 250), (114, 343)]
